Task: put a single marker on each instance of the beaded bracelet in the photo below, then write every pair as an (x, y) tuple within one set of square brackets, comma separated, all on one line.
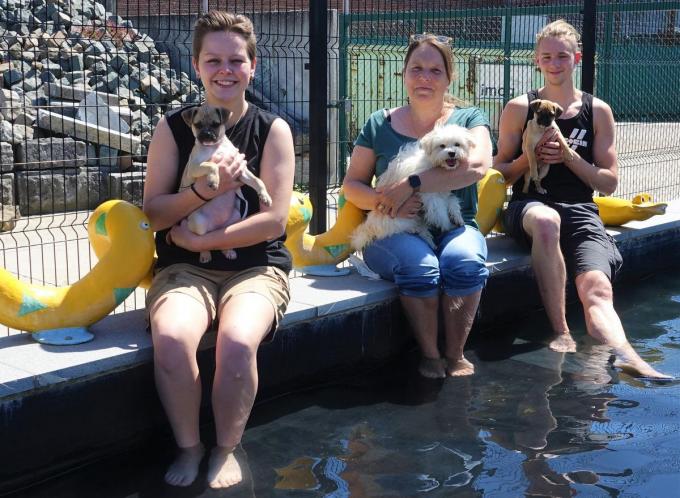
[(193, 189)]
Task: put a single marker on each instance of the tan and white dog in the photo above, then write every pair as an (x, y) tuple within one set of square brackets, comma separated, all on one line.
[(545, 114), (441, 148), (208, 124)]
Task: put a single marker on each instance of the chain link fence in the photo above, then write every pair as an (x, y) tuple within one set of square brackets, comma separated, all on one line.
[(84, 83)]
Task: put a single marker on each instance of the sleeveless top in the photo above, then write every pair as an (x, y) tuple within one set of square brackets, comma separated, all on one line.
[(560, 182), (249, 137), (378, 135)]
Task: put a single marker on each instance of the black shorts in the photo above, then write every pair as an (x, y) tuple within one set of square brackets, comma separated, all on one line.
[(585, 243)]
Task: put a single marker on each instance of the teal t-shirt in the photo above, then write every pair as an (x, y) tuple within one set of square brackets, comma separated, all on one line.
[(378, 134)]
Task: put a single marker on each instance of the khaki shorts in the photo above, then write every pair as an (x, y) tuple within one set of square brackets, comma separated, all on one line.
[(213, 288)]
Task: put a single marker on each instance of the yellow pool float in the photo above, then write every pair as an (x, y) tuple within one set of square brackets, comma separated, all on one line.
[(616, 212), (123, 241), (328, 248)]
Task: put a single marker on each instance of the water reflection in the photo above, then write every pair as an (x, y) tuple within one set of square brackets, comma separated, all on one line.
[(511, 430)]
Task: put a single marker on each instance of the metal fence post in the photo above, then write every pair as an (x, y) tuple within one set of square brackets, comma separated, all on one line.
[(588, 50), (318, 112)]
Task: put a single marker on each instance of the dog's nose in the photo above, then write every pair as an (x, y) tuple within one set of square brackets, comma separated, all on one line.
[(452, 154), (207, 135)]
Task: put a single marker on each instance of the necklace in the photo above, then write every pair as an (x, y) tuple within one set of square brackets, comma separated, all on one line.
[(233, 128)]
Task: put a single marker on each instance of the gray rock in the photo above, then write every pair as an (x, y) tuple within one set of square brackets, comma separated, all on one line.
[(49, 153), (25, 117), (128, 186), (8, 217), (90, 60), (7, 196), (62, 19), (32, 80), (99, 10), (6, 157), (42, 192), (12, 76), (151, 87), (94, 48), (14, 134), (10, 103)]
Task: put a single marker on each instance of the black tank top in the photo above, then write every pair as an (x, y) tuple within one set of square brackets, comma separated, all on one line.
[(249, 137), (563, 185)]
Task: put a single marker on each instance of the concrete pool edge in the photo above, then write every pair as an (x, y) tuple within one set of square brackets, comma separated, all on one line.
[(59, 406)]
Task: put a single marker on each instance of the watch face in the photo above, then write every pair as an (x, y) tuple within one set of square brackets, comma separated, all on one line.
[(414, 181)]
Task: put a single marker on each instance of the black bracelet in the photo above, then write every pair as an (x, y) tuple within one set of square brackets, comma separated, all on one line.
[(193, 189)]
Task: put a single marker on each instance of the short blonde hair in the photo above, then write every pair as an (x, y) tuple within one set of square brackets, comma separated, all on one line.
[(560, 29)]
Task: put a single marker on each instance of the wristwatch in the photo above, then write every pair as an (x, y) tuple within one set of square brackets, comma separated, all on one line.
[(414, 182)]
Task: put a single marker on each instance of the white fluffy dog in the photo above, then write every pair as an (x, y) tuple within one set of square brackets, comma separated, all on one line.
[(442, 147)]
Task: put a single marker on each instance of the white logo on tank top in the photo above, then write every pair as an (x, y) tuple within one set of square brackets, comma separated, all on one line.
[(576, 138)]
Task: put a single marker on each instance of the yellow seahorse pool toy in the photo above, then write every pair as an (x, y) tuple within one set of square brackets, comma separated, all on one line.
[(616, 212), (123, 241), (333, 246), (328, 248)]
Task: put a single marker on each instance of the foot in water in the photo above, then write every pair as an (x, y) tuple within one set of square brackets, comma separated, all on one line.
[(223, 469), (459, 368), (563, 343), (183, 471), (630, 362), (432, 368)]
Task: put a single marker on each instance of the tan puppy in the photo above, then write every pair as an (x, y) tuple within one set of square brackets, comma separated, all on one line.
[(545, 114), (208, 124)]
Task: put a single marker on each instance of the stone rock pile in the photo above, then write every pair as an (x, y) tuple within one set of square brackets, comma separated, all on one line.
[(81, 92)]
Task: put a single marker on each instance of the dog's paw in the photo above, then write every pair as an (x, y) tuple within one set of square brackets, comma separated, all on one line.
[(205, 257), (541, 190), (265, 199), (213, 182), (458, 220), (229, 253)]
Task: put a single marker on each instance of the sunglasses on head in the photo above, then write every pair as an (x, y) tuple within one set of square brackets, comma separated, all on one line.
[(418, 37)]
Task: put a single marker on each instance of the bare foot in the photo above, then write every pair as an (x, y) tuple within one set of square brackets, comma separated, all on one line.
[(563, 343), (459, 368), (183, 471), (223, 469), (432, 368), (630, 362)]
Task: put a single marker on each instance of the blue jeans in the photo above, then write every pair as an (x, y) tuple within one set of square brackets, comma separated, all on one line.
[(456, 265)]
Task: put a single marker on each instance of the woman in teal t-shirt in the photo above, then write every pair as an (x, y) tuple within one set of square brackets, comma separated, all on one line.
[(457, 266)]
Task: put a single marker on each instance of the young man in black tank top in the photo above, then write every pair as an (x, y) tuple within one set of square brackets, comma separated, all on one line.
[(562, 227)]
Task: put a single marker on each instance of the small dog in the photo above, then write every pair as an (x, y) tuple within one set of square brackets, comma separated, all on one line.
[(442, 148), (208, 124), (545, 114)]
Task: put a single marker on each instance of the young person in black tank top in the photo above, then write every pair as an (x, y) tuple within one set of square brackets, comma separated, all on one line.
[(562, 227), (247, 296)]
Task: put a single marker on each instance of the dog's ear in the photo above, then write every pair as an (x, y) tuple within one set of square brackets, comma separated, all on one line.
[(188, 116), (427, 142), (469, 137), (224, 114), (534, 105), (558, 111)]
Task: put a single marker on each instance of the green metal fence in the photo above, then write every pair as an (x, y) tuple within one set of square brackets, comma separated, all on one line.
[(636, 61)]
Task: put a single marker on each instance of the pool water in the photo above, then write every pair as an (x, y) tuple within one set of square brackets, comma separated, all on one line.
[(531, 422)]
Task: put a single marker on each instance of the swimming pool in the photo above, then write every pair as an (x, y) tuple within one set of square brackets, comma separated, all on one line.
[(530, 422)]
